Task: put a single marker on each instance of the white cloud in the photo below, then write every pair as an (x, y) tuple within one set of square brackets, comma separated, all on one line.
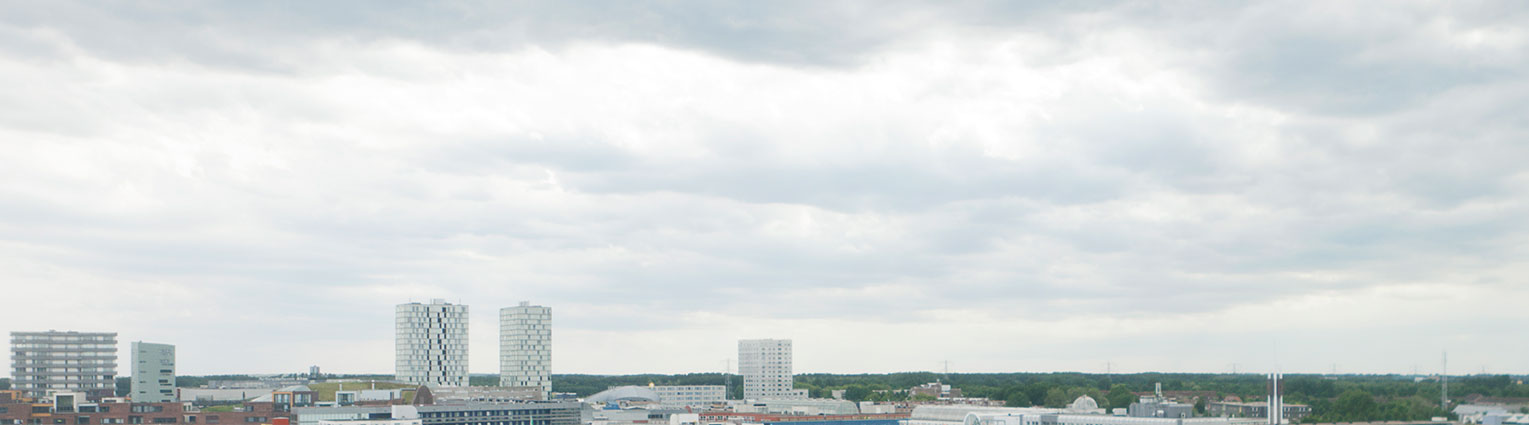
[(1035, 196)]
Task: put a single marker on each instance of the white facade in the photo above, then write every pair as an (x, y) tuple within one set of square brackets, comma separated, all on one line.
[(690, 395), (54, 361), (431, 344), (525, 347), (153, 373), (766, 368)]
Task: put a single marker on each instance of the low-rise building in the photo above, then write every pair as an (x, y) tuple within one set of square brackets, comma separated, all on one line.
[(1293, 412), (217, 395), (690, 395), (562, 413), (936, 390), (735, 418), (802, 407), (1090, 419)]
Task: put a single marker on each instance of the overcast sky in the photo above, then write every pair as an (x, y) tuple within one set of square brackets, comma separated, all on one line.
[(1179, 186)]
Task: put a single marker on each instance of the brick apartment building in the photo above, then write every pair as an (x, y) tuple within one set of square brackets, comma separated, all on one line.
[(72, 409)]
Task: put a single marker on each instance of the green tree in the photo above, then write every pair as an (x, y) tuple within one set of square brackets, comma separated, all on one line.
[(1120, 396), (1354, 406), (1057, 397), (1200, 406), (857, 392)]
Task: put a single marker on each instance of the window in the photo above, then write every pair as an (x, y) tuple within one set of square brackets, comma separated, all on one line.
[(164, 420), (82, 420)]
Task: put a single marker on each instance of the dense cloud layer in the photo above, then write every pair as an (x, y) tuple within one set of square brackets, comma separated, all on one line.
[(891, 184)]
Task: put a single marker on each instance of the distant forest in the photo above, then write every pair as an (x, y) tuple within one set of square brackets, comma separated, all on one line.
[(1340, 398)]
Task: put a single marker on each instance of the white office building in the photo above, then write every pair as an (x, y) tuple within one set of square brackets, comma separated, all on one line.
[(431, 344), (153, 373), (766, 368), (525, 347), (690, 395)]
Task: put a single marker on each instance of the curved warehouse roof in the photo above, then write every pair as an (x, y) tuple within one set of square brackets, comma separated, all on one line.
[(627, 393)]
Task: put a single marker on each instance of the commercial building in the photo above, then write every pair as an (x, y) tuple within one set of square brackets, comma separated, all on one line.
[(431, 343), (153, 368), (565, 413), (525, 347), (766, 368), (664, 396), (84, 362)]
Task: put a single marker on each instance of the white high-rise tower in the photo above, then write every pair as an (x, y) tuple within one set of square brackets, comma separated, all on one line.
[(525, 347), (431, 344), (766, 368)]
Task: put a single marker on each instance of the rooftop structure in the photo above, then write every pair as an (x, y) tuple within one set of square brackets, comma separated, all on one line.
[(1157, 406), (488, 394)]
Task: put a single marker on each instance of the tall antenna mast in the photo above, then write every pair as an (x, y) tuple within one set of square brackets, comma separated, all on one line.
[(1444, 378)]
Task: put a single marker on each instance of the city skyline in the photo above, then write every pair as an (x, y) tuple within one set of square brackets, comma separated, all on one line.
[(1004, 186)]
